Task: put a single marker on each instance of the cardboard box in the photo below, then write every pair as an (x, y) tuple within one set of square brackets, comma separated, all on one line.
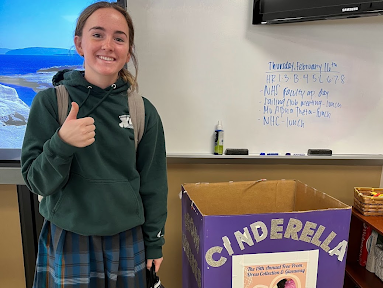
[(262, 234)]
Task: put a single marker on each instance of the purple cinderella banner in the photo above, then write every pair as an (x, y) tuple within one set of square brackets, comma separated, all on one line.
[(305, 246)]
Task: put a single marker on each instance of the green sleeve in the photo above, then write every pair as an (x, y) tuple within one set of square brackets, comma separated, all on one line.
[(45, 158), (151, 164)]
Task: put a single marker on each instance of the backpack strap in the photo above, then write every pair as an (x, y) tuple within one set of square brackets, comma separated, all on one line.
[(62, 103), (62, 110), (137, 114)]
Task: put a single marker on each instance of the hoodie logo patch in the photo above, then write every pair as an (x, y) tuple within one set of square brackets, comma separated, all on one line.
[(126, 121)]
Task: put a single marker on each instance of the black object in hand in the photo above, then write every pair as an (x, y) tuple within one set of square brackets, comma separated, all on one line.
[(152, 280)]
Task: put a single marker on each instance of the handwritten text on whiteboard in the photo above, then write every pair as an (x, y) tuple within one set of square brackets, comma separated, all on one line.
[(296, 94)]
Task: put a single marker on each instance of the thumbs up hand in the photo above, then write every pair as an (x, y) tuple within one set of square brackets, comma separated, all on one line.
[(77, 132)]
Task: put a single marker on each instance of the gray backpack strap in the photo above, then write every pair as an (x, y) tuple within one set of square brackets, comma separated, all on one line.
[(137, 114), (62, 103), (62, 110)]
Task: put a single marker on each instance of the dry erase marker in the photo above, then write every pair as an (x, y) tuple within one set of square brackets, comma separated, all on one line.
[(273, 154)]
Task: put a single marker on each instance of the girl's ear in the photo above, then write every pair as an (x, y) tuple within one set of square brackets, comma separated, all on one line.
[(128, 58), (77, 43)]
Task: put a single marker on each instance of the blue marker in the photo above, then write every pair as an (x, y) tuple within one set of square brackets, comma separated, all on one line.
[(273, 154)]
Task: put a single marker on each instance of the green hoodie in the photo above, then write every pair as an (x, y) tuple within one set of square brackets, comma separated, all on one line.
[(104, 188)]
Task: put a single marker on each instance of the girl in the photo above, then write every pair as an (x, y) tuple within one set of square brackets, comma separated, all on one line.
[(104, 203)]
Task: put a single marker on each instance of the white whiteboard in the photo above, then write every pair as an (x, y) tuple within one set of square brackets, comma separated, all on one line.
[(202, 61)]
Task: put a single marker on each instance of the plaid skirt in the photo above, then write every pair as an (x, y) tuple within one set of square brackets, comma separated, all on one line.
[(67, 259)]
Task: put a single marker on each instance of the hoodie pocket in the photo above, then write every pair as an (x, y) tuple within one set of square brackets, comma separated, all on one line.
[(98, 207)]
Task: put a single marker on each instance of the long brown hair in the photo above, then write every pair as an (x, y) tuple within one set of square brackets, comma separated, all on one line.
[(123, 73)]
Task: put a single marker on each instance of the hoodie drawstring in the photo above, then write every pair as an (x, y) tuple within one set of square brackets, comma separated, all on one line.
[(87, 96), (99, 102)]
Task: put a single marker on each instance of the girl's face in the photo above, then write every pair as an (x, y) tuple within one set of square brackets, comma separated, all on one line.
[(105, 46)]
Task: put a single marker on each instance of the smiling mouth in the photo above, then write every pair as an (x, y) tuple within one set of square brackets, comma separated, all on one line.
[(106, 58)]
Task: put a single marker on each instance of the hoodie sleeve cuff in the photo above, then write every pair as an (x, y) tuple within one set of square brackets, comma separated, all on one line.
[(60, 148), (153, 252)]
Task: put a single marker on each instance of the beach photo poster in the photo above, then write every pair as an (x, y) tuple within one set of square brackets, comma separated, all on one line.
[(295, 269)]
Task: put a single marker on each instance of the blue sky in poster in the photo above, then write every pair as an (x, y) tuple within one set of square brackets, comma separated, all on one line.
[(39, 23)]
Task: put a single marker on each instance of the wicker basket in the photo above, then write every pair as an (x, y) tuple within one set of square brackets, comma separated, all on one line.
[(366, 204)]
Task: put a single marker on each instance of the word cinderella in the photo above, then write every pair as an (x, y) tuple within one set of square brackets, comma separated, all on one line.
[(310, 234)]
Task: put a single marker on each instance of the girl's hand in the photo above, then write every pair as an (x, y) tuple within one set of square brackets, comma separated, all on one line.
[(156, 262), (77, 132)]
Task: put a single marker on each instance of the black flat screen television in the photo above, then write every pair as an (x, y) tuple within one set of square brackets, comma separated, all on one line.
[(36, 42), (287, 11)]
